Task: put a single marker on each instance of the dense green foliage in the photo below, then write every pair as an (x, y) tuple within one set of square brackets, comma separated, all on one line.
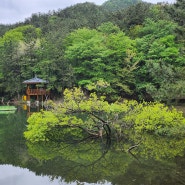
[(136, 52), (105, 53), (115, 5)]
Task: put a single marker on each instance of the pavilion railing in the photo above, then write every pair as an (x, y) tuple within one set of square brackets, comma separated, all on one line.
[(37, 91)]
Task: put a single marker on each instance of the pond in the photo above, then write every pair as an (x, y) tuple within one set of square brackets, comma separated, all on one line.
[(151, 160)]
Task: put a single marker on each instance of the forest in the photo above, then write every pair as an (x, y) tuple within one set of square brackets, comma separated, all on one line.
[(122, 49)]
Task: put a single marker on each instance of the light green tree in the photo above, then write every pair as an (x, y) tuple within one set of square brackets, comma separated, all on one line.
[(104, 54)]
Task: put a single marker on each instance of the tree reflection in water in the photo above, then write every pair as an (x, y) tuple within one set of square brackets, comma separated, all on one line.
[(160, 160), (95, 161)]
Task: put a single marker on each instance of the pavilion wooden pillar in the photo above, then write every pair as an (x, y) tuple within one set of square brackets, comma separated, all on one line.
[(28, 95), (37, 93)]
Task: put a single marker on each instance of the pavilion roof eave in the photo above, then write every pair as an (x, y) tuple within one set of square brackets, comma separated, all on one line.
[(35, 80)]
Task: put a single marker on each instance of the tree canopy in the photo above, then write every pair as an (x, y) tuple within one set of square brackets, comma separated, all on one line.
[(79, 116)]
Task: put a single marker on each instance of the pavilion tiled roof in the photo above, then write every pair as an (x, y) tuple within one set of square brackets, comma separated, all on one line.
[(35, 80)]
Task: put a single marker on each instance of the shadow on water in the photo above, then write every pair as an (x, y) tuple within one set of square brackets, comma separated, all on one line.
[(154, 161)]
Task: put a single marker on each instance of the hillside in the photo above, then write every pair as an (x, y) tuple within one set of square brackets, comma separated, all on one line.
[(136, 52)]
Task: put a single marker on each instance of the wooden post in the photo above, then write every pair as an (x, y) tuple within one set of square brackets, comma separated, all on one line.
[(37, 94)]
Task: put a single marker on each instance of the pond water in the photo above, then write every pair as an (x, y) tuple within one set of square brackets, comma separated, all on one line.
[(11, 175), (153, 160)]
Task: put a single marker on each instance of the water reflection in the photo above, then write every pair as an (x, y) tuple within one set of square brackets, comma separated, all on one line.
[(157, 147), (155, 160), (10, 175), (86, 162)]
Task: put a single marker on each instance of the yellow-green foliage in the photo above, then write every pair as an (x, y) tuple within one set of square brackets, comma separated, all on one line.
[(156, 118), (39, 124), (78, 113), (74, 100)]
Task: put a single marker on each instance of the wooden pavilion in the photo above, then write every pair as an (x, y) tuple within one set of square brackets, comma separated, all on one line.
[(36, 87)]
